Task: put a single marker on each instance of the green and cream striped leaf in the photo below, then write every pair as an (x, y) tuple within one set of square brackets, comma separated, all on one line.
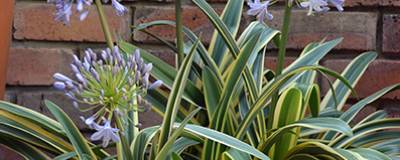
[(33, 116), (233, 154), (165, 72), (142, 141), (212, 90), (344, 141), (29, 129), (371, 154), (226, 140), (288, 110), (318, 124), (166, 150), (316, 149), (265, 96), (231, 17), (26, 150), (77, 139), (350, 155), (356, 108), (352, 73)]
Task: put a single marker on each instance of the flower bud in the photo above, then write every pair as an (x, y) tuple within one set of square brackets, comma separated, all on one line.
[(156, 84), (61, 77), (59, 85)]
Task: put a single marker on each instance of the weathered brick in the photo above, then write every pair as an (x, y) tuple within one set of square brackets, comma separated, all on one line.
[(391, 107), (10, 96), (369, 109), (355, 3), (150, 118), (35, 21), (36, 66), (271, 62), (380, 74), (357, 28), (391, 33), (35, 100), (166, 55), (193, 18)]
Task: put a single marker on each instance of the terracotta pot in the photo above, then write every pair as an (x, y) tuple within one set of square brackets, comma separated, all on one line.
[(6, 16)]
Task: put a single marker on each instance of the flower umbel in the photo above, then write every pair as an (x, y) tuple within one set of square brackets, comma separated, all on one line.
[(64, 9), (321, 5), (259, 9), (315, 6), (110, 84)]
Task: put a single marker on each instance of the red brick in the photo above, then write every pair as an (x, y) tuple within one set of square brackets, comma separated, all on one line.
[(369, 109), (271, 62), (166, 55), (354, 3), (193, 18), (357, 28), (150, 118), (391, 107), (35, 21), (35, 100), (391, 33), (36, 66), (380, 74)]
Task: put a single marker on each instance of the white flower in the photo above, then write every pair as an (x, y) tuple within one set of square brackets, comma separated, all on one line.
[(315, 5), (259, 9), (90, 121), (64, 9), (119, 8), (105, 133), (338, 4)]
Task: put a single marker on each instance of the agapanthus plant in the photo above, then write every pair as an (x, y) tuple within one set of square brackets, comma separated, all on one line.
[(111, 85)]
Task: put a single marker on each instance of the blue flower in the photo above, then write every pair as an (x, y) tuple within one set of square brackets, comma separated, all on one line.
[(322, 5), (338, 4), (119, 8), (107, 84), (315, 6), (64, 9), (259, 9), (105, 133), (90, 121)]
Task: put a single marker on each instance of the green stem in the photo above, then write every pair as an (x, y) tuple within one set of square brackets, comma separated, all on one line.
[(104, 24), (284, 39), (179, 31), (281, 59), (135, 118), (123, 145)]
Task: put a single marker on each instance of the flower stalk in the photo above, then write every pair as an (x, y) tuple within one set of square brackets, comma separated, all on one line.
[(284, 39), (123, 144), (104, 24), (179, 31), (281, 57)]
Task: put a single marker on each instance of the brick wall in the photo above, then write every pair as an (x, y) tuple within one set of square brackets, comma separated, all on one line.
[(42, 46)]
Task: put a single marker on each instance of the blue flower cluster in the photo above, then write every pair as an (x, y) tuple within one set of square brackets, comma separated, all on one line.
[(110, 84), (64, 9), (260, 9)]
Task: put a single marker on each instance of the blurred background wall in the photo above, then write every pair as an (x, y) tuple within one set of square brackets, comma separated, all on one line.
[(41, 46)]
